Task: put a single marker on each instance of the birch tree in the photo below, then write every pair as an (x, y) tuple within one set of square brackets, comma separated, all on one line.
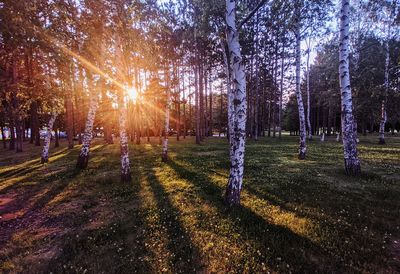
[(302, 120), (125, 163), (47, 139), (238, 138), (164, 156), (351, 161), (83, 157), (391, 13)]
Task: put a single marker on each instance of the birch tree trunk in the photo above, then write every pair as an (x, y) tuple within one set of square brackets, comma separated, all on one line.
[(281, 91), (351, 161), (83, 157), (164, 156), (383, 108), (125, 164), (302, 120), (47, 139), (238, 139), (308, 95)]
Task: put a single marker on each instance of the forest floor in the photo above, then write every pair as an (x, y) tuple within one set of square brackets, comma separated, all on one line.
[(296, 216)]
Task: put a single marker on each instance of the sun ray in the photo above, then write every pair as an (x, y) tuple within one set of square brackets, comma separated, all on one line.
[(86, 63)]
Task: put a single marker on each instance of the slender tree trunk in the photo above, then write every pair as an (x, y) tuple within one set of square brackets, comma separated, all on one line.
[(106, 109), (269, 117), (164, 156), (352, 163), (184, 106), (257, 89), (123, 136), (275, 87), (12, 132), (302, 128), (178, 119), (69, 121), (238, 139), (205, 126), (308, 96), (35, 135), (328, 124), (20, 132), (230, 96), (317, 120), (383, 108), (256, 106), (197, 101), (47, 139), (16, 110), (57, 138), (210, 123), (3, 137), (23, 131), (79, 111), (201, 102), (83, 158), (138, 124), (221, 113), (281, 90)]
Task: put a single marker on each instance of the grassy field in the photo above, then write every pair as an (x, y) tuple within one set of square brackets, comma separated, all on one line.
[(296, 216)]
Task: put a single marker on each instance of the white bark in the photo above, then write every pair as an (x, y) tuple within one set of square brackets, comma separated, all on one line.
[(238, 139), (88, 134), (302, 119), (386, 86), (47, 139), (166, 125), (352, 163), (125, 164), (123, 136)]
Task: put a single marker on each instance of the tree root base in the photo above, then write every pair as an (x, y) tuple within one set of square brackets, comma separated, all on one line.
[(352, 167), (82, 162), (232, 196), (126, 177)]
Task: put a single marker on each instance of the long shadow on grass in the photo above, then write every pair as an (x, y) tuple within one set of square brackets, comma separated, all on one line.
[(25, 169), (282, 244), (117, 247), (52, 185), (185, 255)]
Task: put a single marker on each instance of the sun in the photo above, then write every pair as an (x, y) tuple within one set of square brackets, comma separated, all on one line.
[(132, 93)]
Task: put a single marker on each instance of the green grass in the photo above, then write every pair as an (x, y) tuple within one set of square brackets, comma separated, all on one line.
[(296, 216)]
